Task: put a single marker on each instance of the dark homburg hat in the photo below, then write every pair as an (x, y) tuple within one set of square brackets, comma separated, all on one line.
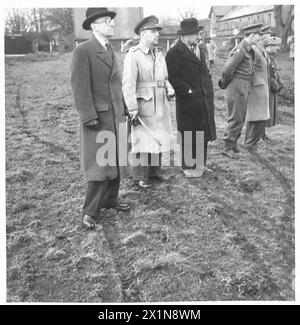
[(255, 28), (93, 13), (189, 26), (150, 22)]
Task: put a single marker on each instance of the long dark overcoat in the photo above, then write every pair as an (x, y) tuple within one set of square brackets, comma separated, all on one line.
[(194, 112), (97, 92)]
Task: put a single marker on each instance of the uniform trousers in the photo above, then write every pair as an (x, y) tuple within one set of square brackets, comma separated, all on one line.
[(254, 132), (100, 194), (150, 165), (237, 94)]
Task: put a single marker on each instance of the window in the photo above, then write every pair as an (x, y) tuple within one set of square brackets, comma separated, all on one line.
[(269, 19)]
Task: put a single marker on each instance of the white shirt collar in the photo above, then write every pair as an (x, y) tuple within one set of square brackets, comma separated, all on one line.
[(101, 40)]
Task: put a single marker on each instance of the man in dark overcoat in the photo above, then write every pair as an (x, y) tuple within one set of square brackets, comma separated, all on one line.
[(189, 76), (97, 92)]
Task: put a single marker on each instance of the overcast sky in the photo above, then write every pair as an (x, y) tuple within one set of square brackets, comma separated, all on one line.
[(167, 10)]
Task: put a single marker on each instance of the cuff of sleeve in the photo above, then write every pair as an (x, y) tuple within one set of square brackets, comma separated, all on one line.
[(86, 122), (133, 110)]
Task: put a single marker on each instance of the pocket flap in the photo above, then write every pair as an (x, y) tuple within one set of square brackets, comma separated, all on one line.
[(101, 107), (144, 93), (258, 81)]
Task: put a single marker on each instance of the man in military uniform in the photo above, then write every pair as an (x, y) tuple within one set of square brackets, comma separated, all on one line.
[(97, 92), (146, 90), (237, 76), (258, 111)]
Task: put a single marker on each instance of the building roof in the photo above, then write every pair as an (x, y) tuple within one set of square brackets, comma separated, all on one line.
[(219, 11), (240, 11), (169, 29)]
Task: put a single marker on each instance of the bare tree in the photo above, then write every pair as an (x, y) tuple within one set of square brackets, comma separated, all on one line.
[(38, 18), (283, 27), (16, 21), (60, 19), (189, 13)]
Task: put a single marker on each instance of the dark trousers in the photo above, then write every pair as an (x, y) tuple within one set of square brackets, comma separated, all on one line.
[(150, 166), (254, 132), (102, 194), (192, 151)]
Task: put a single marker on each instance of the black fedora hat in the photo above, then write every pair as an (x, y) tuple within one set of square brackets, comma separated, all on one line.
[(94, 13), (150, 22), (189, 26)]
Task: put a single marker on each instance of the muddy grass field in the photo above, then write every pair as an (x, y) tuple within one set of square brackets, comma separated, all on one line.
[(228, 235)]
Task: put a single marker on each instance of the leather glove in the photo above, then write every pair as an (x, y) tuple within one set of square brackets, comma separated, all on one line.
[(133, 118), (93, 124), (170, 93)]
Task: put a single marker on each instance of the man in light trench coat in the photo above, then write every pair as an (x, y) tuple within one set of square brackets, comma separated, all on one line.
[(146, 90), (97, 92)]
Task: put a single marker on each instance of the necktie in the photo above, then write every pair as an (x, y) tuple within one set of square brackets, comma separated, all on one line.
[(152, 51), (109, 50)]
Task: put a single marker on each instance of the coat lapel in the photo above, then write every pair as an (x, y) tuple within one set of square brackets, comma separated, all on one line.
[(187, 53), (102, 53), (114, 63)]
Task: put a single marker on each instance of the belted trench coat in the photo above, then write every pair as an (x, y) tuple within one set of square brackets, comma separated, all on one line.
[(145, 79)]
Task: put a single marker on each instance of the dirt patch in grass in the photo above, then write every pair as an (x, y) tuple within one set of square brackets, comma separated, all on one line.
[(228, 235)]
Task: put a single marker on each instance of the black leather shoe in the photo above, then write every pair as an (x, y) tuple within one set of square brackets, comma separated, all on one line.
[(159, 178), (231, 153), (265, 138), (88, 222), (122, 207), (143, 184)]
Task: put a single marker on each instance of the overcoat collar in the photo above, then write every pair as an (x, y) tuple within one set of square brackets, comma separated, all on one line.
[(146, 50), (186, 52), (101, 52), (143, 48)]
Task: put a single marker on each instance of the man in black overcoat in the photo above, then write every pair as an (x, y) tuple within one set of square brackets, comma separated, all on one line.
[(189, 76)]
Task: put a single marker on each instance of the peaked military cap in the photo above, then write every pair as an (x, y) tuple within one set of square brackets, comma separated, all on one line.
[(254, 28), (150, 22), (266, 29)]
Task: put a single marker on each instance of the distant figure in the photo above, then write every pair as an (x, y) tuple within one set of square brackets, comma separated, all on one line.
[(129, 44), (291, 43), (203, 47), (211, 49), (272, 45)]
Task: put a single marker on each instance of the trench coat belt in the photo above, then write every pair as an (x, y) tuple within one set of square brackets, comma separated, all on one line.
[(151, 84)]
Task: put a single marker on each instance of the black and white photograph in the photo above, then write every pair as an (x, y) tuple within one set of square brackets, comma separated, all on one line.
[(149, 152)]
